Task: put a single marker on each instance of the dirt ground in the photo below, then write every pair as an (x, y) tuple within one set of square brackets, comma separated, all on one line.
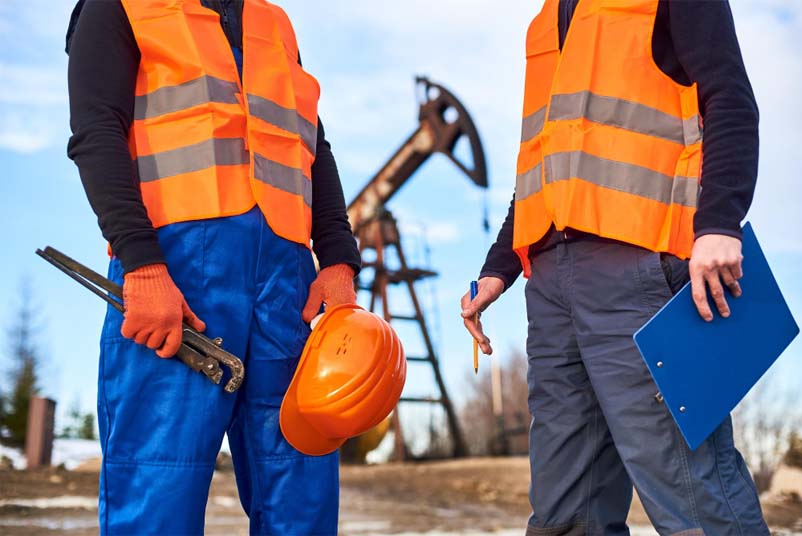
[(474, 496)]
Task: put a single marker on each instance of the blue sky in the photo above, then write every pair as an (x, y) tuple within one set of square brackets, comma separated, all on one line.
[(365, 54)]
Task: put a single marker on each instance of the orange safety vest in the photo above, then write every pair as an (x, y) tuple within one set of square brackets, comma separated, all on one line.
[(611, 145), (207, 145)]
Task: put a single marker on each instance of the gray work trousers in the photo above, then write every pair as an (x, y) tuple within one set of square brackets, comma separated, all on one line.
[(597, 428)]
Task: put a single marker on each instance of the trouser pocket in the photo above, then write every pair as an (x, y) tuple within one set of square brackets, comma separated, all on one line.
[(675, 270)]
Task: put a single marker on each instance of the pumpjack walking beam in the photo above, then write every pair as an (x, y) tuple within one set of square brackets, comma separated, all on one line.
[(444, 121), (437, 133)]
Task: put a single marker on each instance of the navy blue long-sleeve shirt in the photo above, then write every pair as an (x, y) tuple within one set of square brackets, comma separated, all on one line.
[(694, 41), (104, 62)]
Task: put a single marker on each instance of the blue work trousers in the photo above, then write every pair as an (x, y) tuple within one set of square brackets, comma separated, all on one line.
[(597, 427), (162, 424)]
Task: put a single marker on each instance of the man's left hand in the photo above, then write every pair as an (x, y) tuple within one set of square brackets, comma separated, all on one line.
[(715, 263), (334, 286)]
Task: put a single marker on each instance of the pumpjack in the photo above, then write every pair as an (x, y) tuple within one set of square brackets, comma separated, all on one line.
[(444, 122)]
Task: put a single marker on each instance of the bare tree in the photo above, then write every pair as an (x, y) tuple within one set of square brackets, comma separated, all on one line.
[(485, 421), (793, 457), (765, 424)]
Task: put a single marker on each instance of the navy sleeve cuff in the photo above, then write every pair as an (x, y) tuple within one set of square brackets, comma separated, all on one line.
[(509, 280), (718, 231), (138, 250)]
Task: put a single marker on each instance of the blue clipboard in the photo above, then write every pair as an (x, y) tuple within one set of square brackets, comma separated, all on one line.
[(704, 369)]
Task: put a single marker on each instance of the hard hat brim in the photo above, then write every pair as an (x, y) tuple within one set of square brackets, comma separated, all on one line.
[(297, 430)]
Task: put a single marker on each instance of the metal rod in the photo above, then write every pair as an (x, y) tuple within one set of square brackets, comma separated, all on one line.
[(195, 348), (46, 255)]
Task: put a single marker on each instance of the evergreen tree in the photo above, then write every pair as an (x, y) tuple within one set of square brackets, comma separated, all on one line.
[(87, 430), (79, 425), (24, 375)]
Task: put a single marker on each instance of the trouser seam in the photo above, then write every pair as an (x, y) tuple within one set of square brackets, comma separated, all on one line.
[(252, 462), (641, 284), (300, 283), (104, 528), (751, 486), (155, 463), (724, 492), (569, 283), (594, 439), (686, 473), (203, 259)]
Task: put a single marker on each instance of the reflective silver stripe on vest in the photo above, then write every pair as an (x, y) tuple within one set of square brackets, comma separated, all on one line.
[(283, 177), (203, 155), (624, 114), (533, 124), (622, 177), (284, 118), (171, 99), (692, 128), (529, 183)]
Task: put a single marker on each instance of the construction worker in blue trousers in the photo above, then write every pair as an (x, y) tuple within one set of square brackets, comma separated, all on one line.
[(211, 226)]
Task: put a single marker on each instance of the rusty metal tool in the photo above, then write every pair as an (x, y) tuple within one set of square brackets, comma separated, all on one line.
[(197, 351)]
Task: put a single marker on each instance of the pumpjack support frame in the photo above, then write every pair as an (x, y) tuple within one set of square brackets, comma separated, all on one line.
[(444, 122)]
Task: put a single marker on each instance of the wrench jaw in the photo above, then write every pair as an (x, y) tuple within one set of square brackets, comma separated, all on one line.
[(234, 365), (199, 363), (235, 382), (211, 352)]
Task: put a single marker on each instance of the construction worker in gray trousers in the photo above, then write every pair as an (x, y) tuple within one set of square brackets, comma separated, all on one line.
[(610, 203)]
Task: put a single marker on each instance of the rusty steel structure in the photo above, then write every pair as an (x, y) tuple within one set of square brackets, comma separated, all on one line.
[(444, 122), (40, 432)]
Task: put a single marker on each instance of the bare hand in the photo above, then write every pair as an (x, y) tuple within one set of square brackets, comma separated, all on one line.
[(490, 288), (715, 263)]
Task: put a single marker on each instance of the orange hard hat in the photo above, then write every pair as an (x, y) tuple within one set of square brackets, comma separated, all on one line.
[(349, 379)]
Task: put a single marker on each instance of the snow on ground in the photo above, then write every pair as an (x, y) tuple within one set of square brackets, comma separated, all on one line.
[(69, 452), (74, 452), (15, 455), (65, 501)]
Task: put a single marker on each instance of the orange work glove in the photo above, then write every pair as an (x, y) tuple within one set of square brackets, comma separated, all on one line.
[(334, 286), (155, 310)]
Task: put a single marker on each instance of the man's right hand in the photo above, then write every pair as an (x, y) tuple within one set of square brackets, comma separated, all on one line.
[(155, 310), (490, 288)]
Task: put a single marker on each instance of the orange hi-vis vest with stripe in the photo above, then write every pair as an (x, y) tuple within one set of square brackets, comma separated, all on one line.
[(207, 145), (611, 145)]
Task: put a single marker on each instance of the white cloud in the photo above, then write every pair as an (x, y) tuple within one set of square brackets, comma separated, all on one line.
[(432, 232), (32, 86), (33, 103), (33, 82), (30, 131), (769, 33)]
